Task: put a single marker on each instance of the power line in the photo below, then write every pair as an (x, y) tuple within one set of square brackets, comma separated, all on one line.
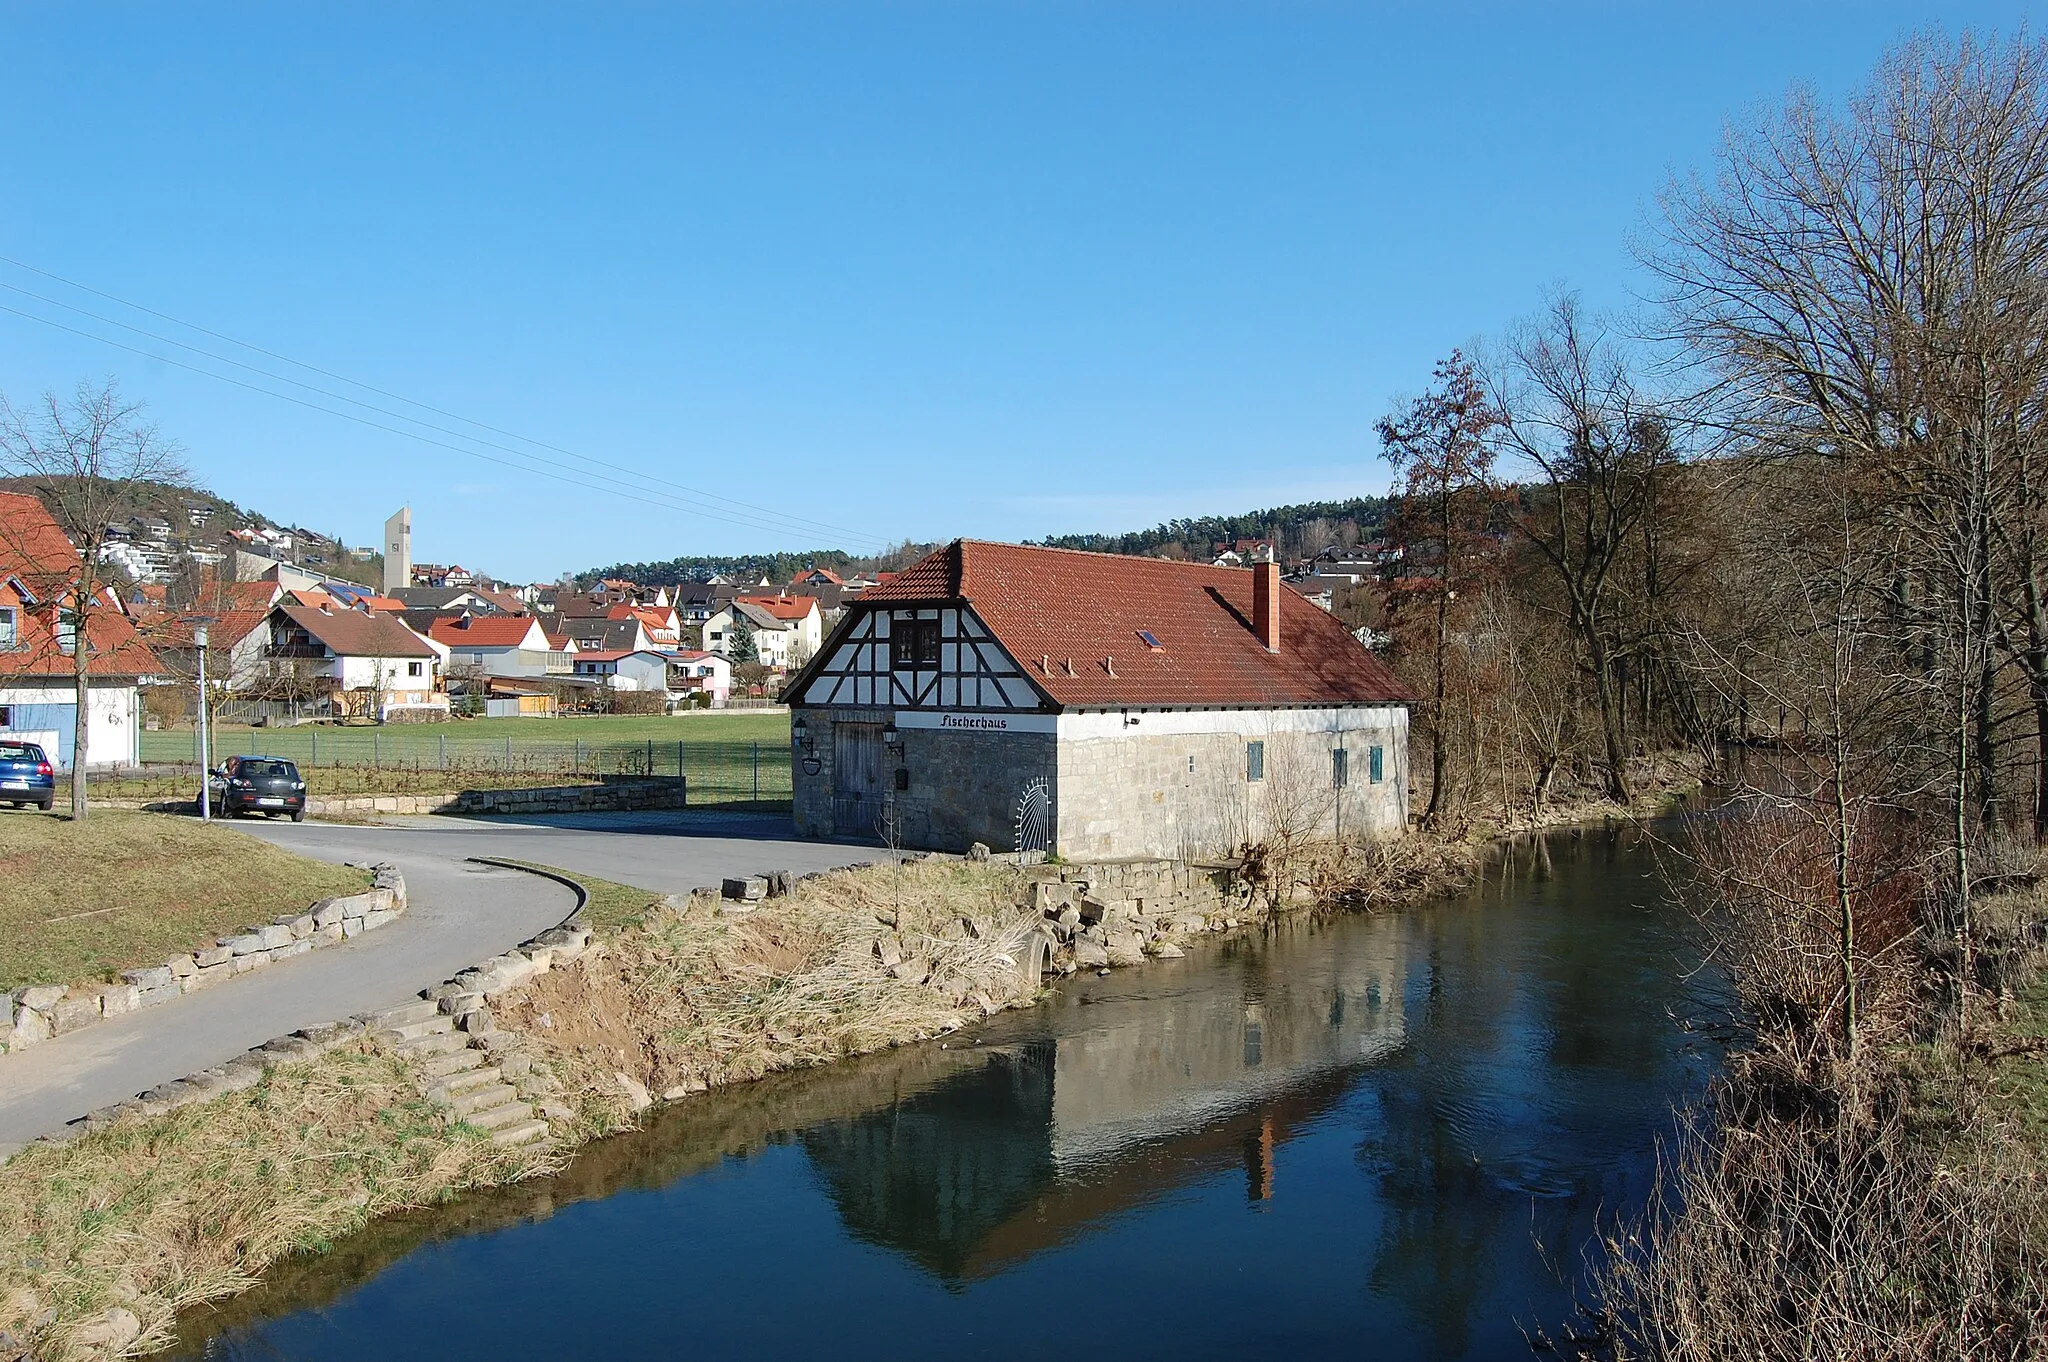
[(630, 493), (781, 520), (750, 522)]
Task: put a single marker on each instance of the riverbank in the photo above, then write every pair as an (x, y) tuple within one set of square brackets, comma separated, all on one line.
[(1887, 1203), (693, 993)]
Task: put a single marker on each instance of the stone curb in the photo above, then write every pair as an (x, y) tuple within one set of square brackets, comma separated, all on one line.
[(32, 1015)]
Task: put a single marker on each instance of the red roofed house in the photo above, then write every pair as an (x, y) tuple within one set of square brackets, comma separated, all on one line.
[(1154, 708), (798, 618), (38, 690), (499, 645)]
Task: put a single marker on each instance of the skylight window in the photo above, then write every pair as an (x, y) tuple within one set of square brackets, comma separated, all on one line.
[(1151, 640)]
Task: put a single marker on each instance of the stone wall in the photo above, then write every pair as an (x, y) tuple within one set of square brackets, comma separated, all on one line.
[(961, 788), (1140, 783), (614, 796), (36, 1014)]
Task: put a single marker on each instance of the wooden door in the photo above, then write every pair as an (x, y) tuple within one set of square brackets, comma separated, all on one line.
[(856, 779)]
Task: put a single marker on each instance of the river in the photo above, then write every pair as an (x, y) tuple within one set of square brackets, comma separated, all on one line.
[(1388, 1137)]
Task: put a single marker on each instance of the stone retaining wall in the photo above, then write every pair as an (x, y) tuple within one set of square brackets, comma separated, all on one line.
[(32, 1015), (614, 796)]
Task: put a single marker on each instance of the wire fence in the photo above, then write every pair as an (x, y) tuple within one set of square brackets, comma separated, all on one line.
[(718, 772)]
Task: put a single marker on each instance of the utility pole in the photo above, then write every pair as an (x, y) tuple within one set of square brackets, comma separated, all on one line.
[(205, 764)]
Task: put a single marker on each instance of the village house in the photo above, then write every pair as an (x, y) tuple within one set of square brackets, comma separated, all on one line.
[(797, 619), (498, 646), (1125, 706), (626, 669), (38, 646), (356, 664)]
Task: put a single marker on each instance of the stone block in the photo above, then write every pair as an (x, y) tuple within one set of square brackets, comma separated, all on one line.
[(476, 1021), (117, 1000), (1093, 909), (246, 963), (248, 943), (326, 936), (207, 977), (352, 926), (75, 1013), (212, 956), (1090, 954), (744, 887), (180, 966), (40, 997), (156, 976), (274, 936), (301, 926), (377, 918), (162, 993), (326, 912), (515, 1066), (30, 1028), (290, 949), (355, 905)]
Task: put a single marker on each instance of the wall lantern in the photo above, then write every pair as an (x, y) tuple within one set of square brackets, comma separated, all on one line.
[(890, 737), (800, 732)]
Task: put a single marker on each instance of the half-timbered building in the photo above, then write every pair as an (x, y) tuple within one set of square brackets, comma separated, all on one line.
[(1094, 704)]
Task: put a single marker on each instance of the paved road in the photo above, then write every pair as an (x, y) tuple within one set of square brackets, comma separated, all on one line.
[(460, 914)]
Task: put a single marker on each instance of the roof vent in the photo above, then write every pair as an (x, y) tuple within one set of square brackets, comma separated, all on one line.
[(1109, 665)]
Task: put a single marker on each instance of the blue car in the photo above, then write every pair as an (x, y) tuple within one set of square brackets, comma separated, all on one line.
[(26, 776)]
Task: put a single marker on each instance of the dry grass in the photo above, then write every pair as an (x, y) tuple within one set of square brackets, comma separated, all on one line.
[(695, 996), (79, 901), (158, 1214), (611, 907)]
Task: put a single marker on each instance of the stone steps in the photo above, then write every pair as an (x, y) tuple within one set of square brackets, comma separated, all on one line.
[(404, 1014), (467, 1104), (439, 1043), (463, 1081), (453, 1063), (503, 1115), (435, 1025), (526, 1132), (459, 1070)]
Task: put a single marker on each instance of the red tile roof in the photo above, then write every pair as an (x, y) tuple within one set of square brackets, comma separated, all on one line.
[(783, 607), (34, 550), (1053, 607), (484, 631)]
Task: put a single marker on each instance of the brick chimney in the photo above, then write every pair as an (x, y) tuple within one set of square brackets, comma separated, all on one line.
[(1266, 602)]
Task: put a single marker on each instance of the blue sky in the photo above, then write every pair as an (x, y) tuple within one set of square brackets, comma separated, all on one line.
[(888, 270)]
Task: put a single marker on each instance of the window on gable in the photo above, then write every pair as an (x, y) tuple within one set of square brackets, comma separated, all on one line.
[(67, 632), (1255, 760), (412, 669), (914, 643), (9, 634)]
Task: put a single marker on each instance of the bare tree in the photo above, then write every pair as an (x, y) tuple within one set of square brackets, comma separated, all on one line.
[(94, 461)]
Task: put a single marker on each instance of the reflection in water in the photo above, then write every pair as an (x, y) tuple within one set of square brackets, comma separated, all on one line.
[(1379, 1131)]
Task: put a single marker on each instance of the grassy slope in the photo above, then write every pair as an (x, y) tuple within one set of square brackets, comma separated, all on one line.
[(151, 886), (612, 906)]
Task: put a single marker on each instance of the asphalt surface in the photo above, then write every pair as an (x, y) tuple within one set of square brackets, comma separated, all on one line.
[(460, 913)]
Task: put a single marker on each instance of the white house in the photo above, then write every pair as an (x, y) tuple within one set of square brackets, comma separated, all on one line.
[(634, 669), (360, 664)]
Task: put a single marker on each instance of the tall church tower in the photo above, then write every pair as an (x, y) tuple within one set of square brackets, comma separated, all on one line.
[(398, 551)]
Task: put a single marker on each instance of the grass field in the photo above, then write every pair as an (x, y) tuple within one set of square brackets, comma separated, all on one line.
[(423, 743), (729, 757), (79, 901)]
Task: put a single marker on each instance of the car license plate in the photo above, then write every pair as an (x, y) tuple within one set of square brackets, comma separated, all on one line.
[(14, 783), (269, 799)]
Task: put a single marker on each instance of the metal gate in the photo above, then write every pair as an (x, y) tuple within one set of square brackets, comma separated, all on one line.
[(856, 778)]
